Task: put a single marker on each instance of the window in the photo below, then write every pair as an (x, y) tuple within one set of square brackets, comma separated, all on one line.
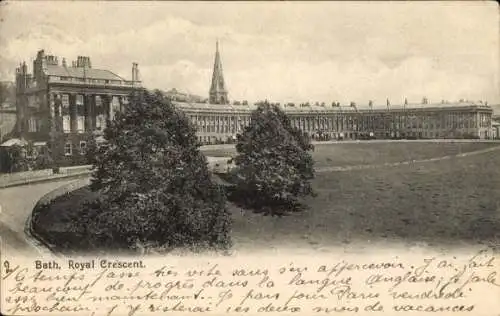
[(115, 102), (79, 99), (32, 125), (68, 149), (98, 101), (80, 121), (83, 147), (65, 101), (66, 124), (100, 122)]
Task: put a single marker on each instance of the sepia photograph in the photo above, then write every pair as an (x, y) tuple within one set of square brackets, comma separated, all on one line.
[(342, 156)]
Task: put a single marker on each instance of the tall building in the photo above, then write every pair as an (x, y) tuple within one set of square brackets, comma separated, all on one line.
[(60, 106), (218, 91)]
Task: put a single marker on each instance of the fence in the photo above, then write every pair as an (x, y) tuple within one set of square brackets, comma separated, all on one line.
[(27, 177)]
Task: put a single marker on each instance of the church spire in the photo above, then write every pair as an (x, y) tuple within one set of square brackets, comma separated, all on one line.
[(218, 92)]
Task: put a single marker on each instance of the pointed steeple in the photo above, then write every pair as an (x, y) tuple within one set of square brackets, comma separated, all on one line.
[(218, 92)]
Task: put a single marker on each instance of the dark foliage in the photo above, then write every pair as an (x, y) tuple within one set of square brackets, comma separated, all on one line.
[(274, 165), (154, 185)]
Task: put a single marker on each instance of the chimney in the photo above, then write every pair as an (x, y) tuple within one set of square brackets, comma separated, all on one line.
[(83, 62), (135, 72), (64, 62)]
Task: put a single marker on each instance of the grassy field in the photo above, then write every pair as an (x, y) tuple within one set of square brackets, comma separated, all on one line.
[(371, 153), (451, 201)]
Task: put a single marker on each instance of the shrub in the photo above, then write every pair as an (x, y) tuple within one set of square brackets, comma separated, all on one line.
[(154, 184), (273, 165)]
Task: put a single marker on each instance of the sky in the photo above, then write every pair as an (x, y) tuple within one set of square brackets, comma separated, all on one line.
[(280, 51)]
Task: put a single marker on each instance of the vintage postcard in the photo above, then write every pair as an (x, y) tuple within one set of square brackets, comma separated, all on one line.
[(249, 158)]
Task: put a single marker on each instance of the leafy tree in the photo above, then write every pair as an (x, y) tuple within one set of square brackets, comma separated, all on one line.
[(7, 93), (18, 158), (3, 93), (44, 161), (273, 166), (154, 183)]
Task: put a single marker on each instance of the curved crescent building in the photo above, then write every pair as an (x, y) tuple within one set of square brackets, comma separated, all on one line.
[(219, 121)]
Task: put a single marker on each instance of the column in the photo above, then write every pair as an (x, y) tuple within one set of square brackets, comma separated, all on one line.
[(108, 103), (94, 113), (88, 111), (72, 112), (53, 122), (52, 111)]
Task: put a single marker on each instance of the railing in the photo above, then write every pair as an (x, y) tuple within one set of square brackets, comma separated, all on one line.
[(27, 177)]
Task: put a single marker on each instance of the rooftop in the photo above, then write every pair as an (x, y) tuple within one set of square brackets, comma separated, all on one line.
[(81, 72), (326, 108)]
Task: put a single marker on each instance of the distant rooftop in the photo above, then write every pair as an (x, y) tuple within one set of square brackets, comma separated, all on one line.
[(316, 108)]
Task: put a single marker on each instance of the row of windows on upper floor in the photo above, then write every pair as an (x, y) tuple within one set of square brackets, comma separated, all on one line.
[(35, 124), (79, 100), (34, 101), (414, 122)]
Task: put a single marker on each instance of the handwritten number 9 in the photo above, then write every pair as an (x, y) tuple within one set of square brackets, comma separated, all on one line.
[(6, 264)]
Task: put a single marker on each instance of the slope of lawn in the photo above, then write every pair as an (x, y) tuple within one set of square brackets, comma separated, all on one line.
[(455, 201)]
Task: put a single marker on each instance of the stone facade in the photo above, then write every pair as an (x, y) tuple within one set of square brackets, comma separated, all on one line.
[(61, 107), (221, 123)]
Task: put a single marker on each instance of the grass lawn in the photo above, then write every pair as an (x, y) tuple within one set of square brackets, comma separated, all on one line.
[(445, 202), (440, 202), (371, 153)]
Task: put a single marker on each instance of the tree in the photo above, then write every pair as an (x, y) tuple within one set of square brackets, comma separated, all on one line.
[(18, 158), (153, 182), (7, 93), (273, 166), (3, 93), (43, 161)]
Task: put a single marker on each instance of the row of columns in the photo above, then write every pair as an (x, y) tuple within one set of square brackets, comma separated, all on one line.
[(93, 109), (220, 123), (359, 122)]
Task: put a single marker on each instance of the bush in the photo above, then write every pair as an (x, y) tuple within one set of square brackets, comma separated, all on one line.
[(273, 166), (154, 183)]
